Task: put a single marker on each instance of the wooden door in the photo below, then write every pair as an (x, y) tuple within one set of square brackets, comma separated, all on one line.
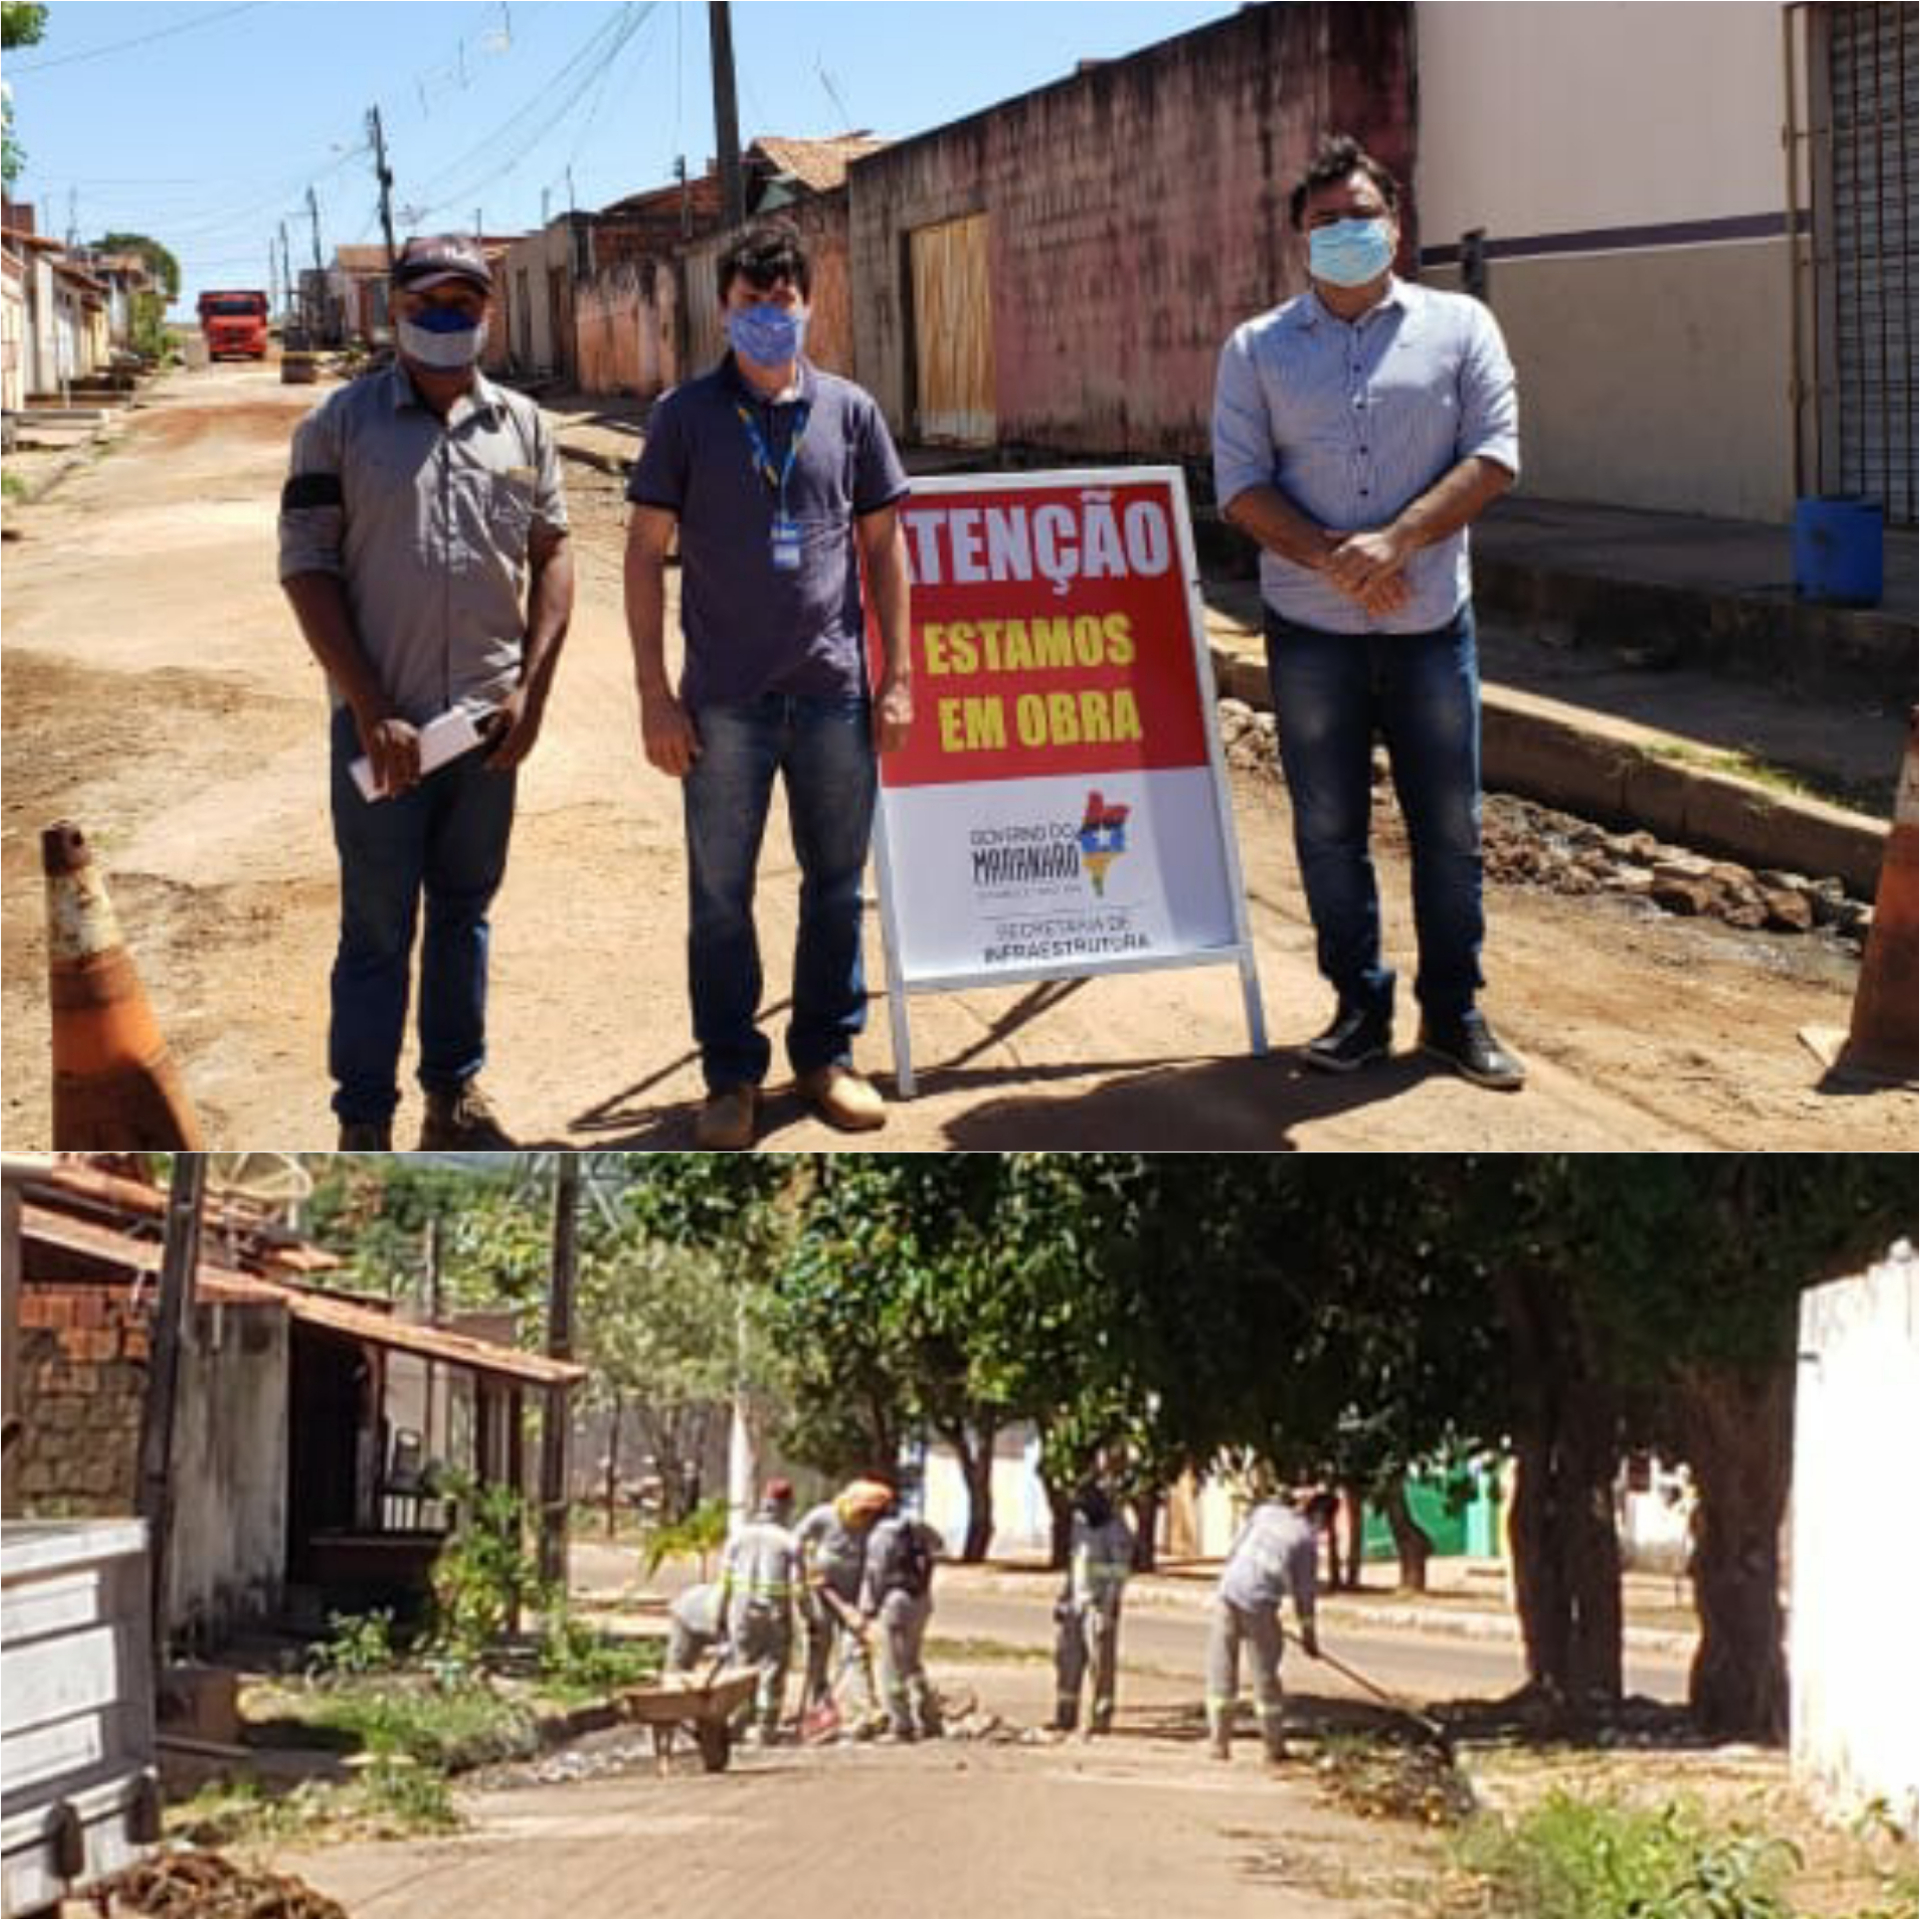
[(953, 333)]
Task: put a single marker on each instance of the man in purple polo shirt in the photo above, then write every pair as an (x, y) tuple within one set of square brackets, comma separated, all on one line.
[(780, 480)]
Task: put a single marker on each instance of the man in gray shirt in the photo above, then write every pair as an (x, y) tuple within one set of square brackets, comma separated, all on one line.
[(1357, 431), (423, 545), (1276, 1554)]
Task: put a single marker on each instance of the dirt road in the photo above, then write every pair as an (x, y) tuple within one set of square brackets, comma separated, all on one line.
[(1142, 1823), (156, 691)]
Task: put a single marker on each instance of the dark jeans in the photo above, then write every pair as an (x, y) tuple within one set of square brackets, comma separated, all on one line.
[(447, 839), (823, 748), (1422, 691)]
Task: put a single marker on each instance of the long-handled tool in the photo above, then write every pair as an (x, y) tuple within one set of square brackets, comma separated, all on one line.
[(1436, 1731)]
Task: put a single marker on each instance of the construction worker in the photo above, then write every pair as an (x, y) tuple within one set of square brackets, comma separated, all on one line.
[(756, 1587), (1276, 1554), (833, 1558), (1087, 1614), (896, 1593), (696, 1627)]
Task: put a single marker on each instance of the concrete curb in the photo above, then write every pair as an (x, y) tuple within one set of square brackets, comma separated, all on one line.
[(1165, 1593), (1624, 776)]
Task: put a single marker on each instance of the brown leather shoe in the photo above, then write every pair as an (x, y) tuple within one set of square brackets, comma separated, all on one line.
[(726, 1122), (465, 1119), (843, 1099)]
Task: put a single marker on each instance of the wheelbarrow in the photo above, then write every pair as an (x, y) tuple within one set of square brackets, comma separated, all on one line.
[(706, 1706)]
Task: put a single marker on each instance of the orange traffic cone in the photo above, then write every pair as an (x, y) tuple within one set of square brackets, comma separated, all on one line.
[(1883, 1042), (114, 1083)]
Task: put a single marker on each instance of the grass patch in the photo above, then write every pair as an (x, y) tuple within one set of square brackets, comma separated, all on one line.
[(1574, 1856), (12, 487), (415, 1721), (390, 1799), (985, 1653), (1742, 765)]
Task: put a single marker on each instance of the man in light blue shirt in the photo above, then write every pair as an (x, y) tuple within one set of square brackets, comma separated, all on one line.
[(1357, 431)]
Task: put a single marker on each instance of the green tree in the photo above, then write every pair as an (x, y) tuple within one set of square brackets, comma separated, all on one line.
[(160, 262), (21, 25)]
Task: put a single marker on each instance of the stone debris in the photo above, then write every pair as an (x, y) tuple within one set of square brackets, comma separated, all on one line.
[(1528, 844), (197, 1884)]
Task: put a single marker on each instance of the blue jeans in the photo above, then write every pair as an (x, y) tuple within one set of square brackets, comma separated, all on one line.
[(823, 748), (447, 838), (1422, 690)]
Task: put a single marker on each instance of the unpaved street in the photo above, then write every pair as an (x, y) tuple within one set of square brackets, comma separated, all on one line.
[(1141, 1823), (156, 691)]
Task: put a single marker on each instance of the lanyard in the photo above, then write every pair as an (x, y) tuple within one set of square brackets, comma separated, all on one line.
[(776, 478)]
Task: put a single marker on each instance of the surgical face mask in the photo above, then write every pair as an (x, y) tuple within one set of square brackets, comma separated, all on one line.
[(443, 338), (768, 336), (1350, 252)]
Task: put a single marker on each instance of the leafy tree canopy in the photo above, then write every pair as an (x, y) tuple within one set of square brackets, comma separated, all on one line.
[(160, 261)]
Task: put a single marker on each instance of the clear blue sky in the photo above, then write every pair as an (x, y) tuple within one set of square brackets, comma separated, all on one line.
[(204, 125)]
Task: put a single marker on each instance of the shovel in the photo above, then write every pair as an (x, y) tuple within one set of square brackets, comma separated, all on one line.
[(1440, 1735)]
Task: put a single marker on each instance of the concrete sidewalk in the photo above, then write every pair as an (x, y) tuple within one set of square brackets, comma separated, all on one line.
[(1641, 670)]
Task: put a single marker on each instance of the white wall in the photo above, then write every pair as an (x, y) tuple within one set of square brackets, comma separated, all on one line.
[(1549, 117), (1855, 1678), (1022, 1520)]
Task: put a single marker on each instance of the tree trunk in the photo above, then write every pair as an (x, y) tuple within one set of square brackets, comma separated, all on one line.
[(1146, 1530), (613, 1462), (1566, 1552), (1410, 1540), (1738, 1430), (974, 1451), (1060, 1530), (1353, 1511)]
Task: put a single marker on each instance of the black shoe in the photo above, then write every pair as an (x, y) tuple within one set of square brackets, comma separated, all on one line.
[(1467, 1045), (1356, 1036), (366, 1136)]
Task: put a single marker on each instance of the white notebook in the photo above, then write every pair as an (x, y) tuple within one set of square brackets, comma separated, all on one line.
[(445, 737)]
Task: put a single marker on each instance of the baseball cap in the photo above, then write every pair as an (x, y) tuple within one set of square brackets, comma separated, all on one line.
[(427, 261)]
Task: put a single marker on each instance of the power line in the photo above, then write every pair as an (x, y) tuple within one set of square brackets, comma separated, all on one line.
[(458, 183), (139, 40)]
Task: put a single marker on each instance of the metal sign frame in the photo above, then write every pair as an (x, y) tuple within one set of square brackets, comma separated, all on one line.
[(1239, 953)]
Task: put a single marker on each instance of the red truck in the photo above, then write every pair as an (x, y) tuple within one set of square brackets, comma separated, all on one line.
[(234, 322)]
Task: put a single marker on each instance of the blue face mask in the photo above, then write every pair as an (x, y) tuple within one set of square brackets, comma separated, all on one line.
[(443, 338), (768, 336), (1350, 252)]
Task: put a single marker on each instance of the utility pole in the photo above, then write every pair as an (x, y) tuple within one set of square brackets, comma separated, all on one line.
[(553, 1421), (166, 1340), (286, 275), (726, 114), (433, 1320), (384, 174), (686, 198)]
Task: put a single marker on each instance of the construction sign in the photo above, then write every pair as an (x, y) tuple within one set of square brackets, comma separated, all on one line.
[(1061, 807)]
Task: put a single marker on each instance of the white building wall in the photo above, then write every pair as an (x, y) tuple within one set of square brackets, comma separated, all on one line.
[(1022, 1519), (1556, 118), (1855, 1677), (1604, 149)]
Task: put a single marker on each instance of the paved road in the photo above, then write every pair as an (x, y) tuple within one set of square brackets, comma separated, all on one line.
[(1421, 1666)]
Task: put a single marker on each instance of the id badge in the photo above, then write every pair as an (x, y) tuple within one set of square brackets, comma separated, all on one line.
[(784, 543)]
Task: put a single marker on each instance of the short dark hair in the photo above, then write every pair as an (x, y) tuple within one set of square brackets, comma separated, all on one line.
[(767, 251), (1339, 157)]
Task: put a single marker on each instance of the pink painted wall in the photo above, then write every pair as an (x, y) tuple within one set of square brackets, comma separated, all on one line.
[(1137, 213)]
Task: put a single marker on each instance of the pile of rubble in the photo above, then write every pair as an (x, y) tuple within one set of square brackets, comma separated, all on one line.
[(200, 1885), (1532, 845)]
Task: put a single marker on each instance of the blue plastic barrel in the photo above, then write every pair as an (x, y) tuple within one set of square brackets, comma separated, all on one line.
[(1837, 551)]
